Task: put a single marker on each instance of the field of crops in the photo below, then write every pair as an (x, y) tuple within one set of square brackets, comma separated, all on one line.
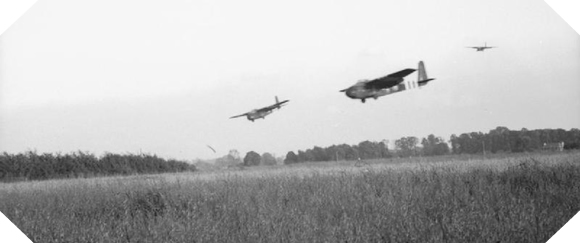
[(504, 199)]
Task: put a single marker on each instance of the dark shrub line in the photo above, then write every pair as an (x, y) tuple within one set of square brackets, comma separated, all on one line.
[(33, 166)]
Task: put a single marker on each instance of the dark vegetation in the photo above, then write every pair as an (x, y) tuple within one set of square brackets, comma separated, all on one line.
[(33, 166), (527, 202), (499, 140), (252, 158)]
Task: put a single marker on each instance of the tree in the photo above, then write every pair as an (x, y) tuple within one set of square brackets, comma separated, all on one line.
[(499, 140), (252, 158), (350, 152), (407, 146), (334, 153), (520, 141), (384, 149), (454, 144), (465, 144), (369, 150), (320, 154), (304, 156), (428, 145), (268, 159), (433, 145), (232, 158), (573, 139), (234, 155), (291, 158)]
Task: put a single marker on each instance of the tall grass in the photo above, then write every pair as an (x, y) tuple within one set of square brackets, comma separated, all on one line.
[(510, 200)]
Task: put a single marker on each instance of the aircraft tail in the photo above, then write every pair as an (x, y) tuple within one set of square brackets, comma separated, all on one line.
[(279, 104), (409, 84), (422, 78)]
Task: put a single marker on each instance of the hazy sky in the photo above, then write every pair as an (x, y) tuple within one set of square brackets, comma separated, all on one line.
[(163, 77)]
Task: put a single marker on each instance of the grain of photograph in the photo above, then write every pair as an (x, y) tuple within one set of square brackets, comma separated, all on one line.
[(289, 121)]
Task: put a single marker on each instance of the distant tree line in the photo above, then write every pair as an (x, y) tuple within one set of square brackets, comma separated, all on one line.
[(33, 166), (501, 139), (364, 150), (252, 158), (498, 140)]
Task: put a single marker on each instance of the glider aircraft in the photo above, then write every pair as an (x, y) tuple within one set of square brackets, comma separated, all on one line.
[(262, 112), (482, 48), (386, 85)]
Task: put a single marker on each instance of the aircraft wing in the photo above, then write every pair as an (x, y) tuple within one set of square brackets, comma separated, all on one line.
[(280, 103), (403, 73), (274, 106), (389, 80), (239, 115)]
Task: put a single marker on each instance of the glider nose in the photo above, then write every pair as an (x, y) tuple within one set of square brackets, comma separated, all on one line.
[(350, 93)]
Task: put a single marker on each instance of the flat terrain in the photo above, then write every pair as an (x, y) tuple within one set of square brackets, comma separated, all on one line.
[(523, 198)]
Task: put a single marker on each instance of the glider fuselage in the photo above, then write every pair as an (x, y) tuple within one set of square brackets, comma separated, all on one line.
[(359, 91), (257, 114)]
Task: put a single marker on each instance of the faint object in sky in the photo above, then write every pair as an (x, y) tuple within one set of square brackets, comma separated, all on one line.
[(481, 48), (262, 112), (389, 84), (211, 148)]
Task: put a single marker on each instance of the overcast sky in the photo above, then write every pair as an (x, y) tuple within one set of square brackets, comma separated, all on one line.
[(163, 77)]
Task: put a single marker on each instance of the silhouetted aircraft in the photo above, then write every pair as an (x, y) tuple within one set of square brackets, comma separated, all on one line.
[(262, 112), (389, 84), (482, 48)]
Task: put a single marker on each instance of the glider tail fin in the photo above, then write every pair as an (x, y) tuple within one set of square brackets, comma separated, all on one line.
[(278, 105), (422, 78)]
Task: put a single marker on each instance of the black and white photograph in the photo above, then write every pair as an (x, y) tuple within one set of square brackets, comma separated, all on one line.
[(289, 121)]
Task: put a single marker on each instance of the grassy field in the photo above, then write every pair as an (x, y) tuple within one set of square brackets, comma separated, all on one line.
[(513, 199)]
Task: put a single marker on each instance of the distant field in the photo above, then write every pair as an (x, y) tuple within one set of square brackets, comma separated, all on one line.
[(445, 199)]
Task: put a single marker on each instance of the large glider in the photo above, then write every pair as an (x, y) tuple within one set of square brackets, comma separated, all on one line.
[(386, 85)]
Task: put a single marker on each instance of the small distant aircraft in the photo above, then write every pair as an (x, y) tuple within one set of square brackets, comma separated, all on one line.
[(262, 112), (386, 85), (481, 48)]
